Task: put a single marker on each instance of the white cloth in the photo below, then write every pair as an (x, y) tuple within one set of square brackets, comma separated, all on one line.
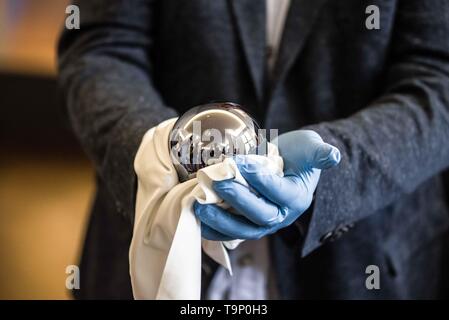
[(165, 251)]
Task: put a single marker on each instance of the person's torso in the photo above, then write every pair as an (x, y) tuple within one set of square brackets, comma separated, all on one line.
[(329, 66)]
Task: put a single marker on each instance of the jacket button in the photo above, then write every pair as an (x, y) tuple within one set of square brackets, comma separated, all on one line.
[(245, 260), (326, 237), (206, 268)]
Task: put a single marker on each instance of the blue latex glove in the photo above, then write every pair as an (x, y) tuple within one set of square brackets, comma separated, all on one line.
[(280, 200)]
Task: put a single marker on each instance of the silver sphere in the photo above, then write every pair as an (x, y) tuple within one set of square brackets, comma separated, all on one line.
[(206, 134)]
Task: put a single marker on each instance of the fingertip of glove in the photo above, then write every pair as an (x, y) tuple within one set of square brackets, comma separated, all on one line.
[(327, 156), (334, 156), (332, 159), (221, 184), (224, 188), (197, 207)]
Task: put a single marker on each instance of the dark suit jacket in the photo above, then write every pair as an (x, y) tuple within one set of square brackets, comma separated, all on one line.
[(380, 96)]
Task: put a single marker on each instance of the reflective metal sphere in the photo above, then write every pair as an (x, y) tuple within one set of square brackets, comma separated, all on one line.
[(206, 134)]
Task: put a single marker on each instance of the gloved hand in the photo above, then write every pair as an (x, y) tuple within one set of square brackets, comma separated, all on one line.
[(279, 200)]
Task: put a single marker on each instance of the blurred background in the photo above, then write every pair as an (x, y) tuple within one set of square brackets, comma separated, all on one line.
[(46, 182)]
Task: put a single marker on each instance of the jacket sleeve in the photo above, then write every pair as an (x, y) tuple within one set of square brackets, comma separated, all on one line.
[(106, 77), (400, 139)]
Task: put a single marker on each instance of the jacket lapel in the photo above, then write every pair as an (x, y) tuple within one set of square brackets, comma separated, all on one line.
[(249, 16), (299, 23)]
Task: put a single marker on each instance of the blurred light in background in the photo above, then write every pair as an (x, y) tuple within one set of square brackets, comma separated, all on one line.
[(28, 31), (46, 182)]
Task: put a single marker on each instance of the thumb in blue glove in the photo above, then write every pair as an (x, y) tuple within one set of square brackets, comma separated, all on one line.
[(279, 200)]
